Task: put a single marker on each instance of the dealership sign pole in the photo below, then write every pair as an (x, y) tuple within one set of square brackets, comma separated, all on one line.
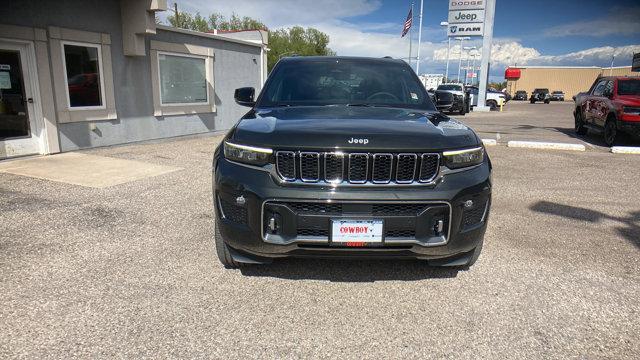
[(474, 18), (486, 55)]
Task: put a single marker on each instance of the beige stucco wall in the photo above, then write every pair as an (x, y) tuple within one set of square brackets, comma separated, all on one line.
[(567, 79)]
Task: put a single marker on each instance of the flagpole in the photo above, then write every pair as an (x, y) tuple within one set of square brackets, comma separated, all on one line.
[(410, 33), (419, 40)]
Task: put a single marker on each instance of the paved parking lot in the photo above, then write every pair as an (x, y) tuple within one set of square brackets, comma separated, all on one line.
[(130, 271), (551, 122)]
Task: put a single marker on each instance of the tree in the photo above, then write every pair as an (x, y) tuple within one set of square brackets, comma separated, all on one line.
[(299, 41), (282, 42)]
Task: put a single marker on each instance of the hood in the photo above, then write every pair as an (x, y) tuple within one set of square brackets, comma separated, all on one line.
[(352, 128)]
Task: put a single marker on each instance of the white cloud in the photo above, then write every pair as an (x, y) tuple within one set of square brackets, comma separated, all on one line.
[(619, 21), (276, 13)]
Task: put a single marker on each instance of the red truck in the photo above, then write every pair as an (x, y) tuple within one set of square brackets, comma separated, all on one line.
[(611, 106)]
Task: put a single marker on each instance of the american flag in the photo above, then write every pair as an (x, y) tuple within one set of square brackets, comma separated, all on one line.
[(407, 23)]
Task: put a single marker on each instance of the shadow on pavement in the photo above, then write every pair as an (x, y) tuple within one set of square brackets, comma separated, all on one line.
[(592, 137), (630, 228), (350, 270)]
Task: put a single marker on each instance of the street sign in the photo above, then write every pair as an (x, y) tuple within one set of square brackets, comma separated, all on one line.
[(635, 65), (471, 75), (466, 16), (466, 29), (466, 4)]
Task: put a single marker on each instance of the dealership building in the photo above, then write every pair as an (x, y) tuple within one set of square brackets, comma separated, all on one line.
[(568, 79), (78, 74)]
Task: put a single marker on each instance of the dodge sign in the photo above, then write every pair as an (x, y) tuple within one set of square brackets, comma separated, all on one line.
[(466, 5)]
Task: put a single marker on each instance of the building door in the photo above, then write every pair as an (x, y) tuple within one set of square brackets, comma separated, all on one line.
[(19, 130)]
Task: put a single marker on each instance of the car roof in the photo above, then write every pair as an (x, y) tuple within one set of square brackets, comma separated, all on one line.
[(338, 58)]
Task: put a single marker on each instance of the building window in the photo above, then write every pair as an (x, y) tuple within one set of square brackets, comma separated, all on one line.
[(83, 75), (183, 79)]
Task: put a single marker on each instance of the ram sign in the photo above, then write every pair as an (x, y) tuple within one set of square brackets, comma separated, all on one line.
[(466, 16), (466, 29)]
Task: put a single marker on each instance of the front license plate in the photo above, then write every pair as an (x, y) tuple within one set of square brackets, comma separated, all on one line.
[(356, 231)]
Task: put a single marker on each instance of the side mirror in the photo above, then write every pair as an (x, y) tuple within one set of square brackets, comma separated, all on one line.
[(444, 100), (245, 96)]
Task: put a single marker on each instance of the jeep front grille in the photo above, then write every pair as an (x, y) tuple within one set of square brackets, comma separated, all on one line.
[(357, 168)]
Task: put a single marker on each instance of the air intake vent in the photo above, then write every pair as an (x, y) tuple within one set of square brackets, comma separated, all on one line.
[(286, 165), (333, 167), (357, 168), (309, 166), (406, 170), (382, 165), (429, 167)]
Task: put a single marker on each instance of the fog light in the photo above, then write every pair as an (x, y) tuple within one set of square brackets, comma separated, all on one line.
[(468, 203), (240, 200), (273, 223), (439, 227)]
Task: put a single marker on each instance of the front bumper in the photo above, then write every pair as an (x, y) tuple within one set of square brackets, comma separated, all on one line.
[(246, 198), (630, 127)]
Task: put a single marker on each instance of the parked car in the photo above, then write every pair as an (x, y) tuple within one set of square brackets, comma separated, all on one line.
[(494, 98), (611, 106), (443, 99), (461, 103), (540, 95), (520, 95), (348, 157), (557, 96)]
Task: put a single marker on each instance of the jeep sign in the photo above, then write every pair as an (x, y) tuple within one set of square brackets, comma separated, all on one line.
[(466, 16), (466, 29), (466, 5)]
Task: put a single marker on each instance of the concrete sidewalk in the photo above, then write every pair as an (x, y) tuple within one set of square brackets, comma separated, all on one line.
[(522, 121)]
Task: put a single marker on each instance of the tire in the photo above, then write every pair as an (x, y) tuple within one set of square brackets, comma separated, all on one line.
[(532, 101), (475, 255), (222, 249), (546, 101), (610, 132), (579, 124), (492, 104), (462, 109)]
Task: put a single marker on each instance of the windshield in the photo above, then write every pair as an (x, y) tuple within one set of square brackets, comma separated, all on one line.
[(354, 82), (450, 87), (629, 87)]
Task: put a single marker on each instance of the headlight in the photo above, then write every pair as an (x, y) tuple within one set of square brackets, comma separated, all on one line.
[(463, 158), (247, 154)]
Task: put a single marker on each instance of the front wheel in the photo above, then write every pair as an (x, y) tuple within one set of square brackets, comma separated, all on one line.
[(222, 250), (610, 132), (492, 104), (546, 101), (532, 101), (579, 124)]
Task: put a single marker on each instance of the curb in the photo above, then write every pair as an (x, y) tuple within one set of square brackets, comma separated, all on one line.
[(546, 145), (489, 142), (625, 150)]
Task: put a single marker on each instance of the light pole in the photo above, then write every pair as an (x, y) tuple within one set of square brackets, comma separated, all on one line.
[(468, 49), (473, 66), (461, 38), (419, 39), (446, 25)]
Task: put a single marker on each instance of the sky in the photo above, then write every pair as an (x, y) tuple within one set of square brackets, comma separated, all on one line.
[(542, 32)]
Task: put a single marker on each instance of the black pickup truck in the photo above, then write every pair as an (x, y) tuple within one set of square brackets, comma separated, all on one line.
[(348, 157)]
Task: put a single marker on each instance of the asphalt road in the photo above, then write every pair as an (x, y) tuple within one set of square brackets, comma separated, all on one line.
[(130, 271), (551, 122)]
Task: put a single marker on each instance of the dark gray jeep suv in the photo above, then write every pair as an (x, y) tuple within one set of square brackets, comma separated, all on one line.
[(348, 157)]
